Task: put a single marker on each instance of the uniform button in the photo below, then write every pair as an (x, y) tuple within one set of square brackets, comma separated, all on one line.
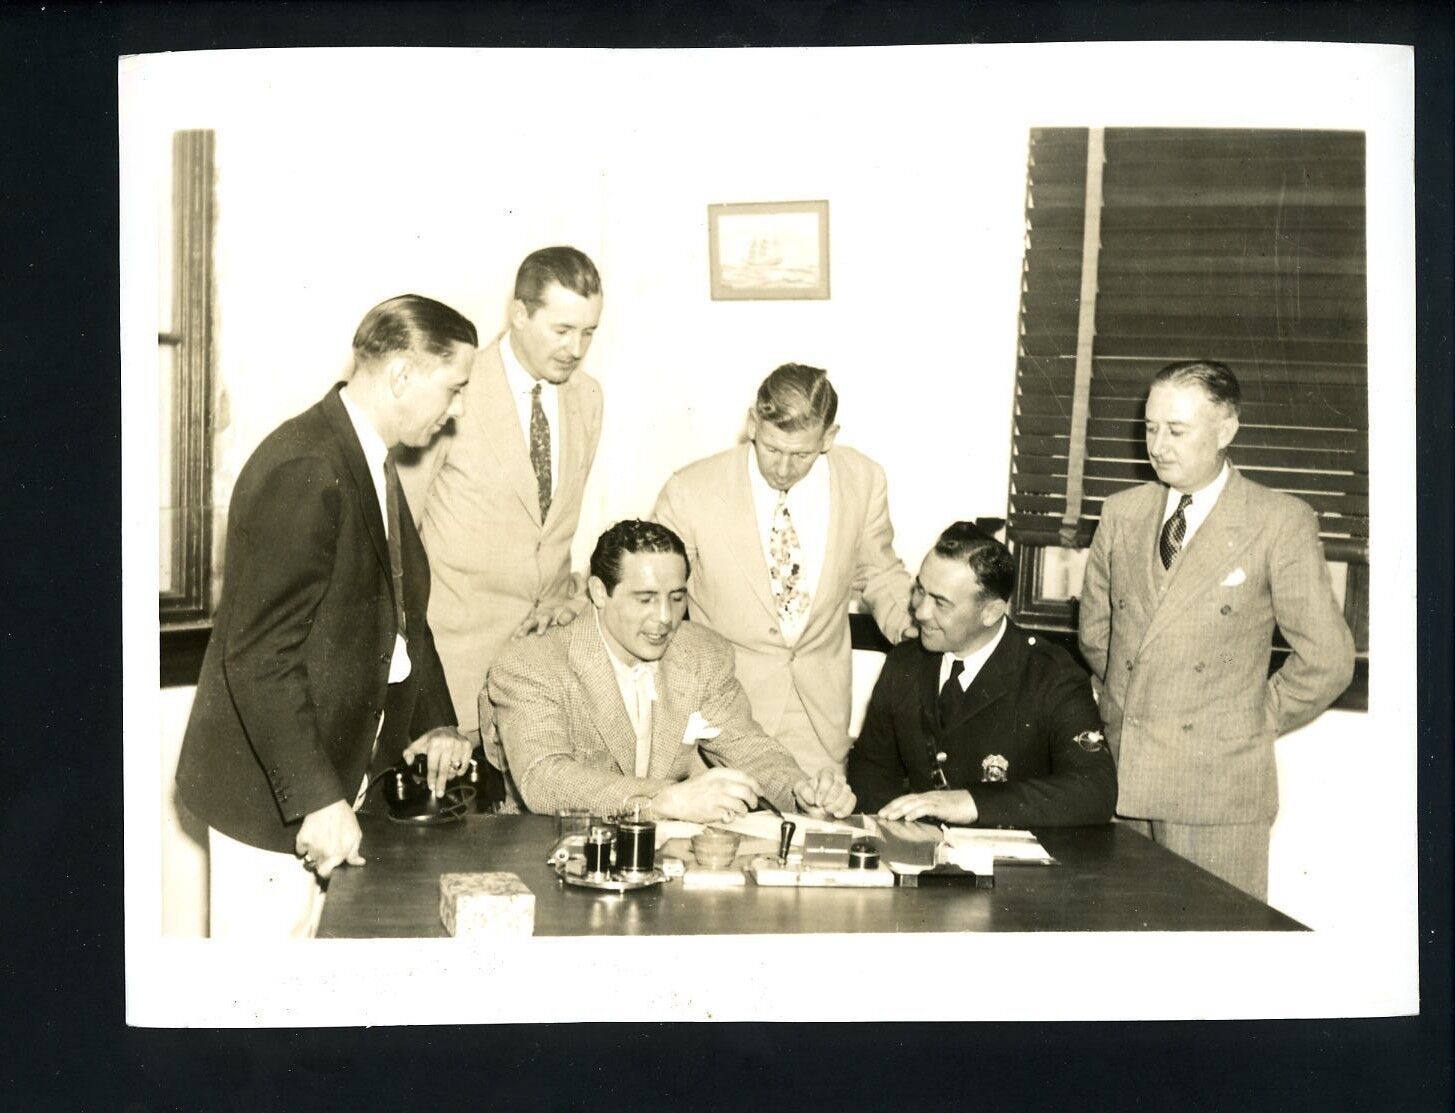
[(1225, 609), (941, 756), (1030, 641), (383, 658)]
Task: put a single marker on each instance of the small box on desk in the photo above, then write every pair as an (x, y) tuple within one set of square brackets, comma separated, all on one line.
[(494, 904)]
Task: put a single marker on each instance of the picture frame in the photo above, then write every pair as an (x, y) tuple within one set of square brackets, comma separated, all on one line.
[(769, 250)]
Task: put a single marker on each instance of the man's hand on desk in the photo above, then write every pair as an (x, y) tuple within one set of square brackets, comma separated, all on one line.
[(953, 805), (826, 795), (717, 796), (330, 837), (447, 753)]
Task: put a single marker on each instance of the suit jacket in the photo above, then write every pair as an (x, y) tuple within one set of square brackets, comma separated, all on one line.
[(710, 505), (568, 740), (295, 676), (1190, 709), (1027, 705), (492, 558)]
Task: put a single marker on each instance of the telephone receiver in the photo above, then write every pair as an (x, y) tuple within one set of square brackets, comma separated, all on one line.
[(409, 799)]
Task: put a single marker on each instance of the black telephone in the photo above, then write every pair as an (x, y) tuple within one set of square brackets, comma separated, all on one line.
[(409, 799)]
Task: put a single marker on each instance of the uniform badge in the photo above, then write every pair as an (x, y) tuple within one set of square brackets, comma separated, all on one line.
[(1092, 741), (993, 769)]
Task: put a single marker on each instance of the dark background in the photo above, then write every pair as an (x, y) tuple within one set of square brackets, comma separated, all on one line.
[(61, 974)]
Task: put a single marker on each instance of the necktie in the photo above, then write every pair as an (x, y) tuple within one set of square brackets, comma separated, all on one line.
[(951, 692), (785, 572), (1175, 529), (540, 450), (391, 527)]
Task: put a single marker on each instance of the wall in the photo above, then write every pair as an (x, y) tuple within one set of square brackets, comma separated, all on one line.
[(436, 176)]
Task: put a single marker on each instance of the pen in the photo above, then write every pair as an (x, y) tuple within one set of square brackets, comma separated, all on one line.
[(786, 827)]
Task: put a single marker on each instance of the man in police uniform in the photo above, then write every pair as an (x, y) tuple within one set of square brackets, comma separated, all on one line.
[(978, 722)]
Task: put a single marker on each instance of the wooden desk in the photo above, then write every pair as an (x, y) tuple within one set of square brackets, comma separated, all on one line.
[(1110, 879)]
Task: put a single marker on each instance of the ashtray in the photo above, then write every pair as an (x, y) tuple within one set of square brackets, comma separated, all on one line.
[(715, 849)]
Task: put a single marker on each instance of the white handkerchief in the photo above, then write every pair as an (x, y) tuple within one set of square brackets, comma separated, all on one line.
[(1235, 577), (698, 730)]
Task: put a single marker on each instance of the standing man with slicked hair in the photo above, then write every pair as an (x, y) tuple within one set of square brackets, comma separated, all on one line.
[(781, 533), (321, 666), (1186, 579), (499, 494)]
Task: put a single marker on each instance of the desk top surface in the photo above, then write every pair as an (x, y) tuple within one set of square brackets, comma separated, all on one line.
[(1109, 879)]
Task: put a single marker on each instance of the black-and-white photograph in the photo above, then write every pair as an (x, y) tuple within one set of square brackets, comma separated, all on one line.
[(563, 586)]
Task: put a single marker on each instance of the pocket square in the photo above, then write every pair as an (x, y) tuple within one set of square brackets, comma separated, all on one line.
[(698, 730), (1234, 578)]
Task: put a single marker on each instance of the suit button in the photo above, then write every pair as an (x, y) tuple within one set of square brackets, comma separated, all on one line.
[(1129, 664), (772, 629), (1186, 726), (1199, 666), (1225, 609), (1121, 604), (792, 656)]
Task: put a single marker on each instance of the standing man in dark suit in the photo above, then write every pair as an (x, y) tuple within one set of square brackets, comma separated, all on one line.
[(979, 722), (1185, 581), (321, 665)]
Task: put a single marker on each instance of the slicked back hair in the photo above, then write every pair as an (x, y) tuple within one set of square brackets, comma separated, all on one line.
[(411, 323), (562, 266), (1216, 379), (991, 561), (796, 397), (632, 535)]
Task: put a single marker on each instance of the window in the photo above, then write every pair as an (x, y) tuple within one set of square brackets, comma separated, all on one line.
[(184, 348), (1146, 246)]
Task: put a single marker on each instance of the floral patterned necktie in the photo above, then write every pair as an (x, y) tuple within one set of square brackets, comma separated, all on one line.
[(540, 450), (785, 571)]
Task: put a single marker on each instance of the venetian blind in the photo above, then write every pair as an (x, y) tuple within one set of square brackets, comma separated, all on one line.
[(1235, 245)]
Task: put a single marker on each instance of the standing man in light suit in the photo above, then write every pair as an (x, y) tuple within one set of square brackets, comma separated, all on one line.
[(499, 494), (780, 533), (1185, 581)]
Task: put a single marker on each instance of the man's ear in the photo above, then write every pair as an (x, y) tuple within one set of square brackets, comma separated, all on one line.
[(519, 314), (397, 372), (828, 437), (995, 610), (596, 590), (1227, 430), (752, 424)]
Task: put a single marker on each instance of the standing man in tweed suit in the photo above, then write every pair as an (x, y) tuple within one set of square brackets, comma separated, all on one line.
[(1185, 581), (609, 712), (499, 494)]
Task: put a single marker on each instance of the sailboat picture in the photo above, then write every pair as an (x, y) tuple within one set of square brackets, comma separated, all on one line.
[(769, 250)]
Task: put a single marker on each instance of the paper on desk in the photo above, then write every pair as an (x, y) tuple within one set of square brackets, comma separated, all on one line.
[(668, 829), (1005, 845), (766, 825)]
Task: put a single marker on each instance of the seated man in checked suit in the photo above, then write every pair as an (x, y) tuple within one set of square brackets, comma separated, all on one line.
[(979, 722), (607, 712)]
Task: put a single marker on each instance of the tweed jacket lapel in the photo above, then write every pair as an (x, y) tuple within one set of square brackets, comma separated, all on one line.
[(1220, 538), (501, 421), (364, 490), (740, 521), (589, 663)]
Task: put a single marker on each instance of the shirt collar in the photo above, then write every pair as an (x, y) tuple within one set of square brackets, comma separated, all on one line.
[(375, 450), (976, 660), (1209, 494), (517, 377), (621, 667)]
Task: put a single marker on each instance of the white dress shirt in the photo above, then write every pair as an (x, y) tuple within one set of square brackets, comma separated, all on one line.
[(637, 683), (1201, 506), (974, 662), (808, 506), (521, 383), (375, 453)]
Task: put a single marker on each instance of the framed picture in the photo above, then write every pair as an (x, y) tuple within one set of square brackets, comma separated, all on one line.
[(769, 250)]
